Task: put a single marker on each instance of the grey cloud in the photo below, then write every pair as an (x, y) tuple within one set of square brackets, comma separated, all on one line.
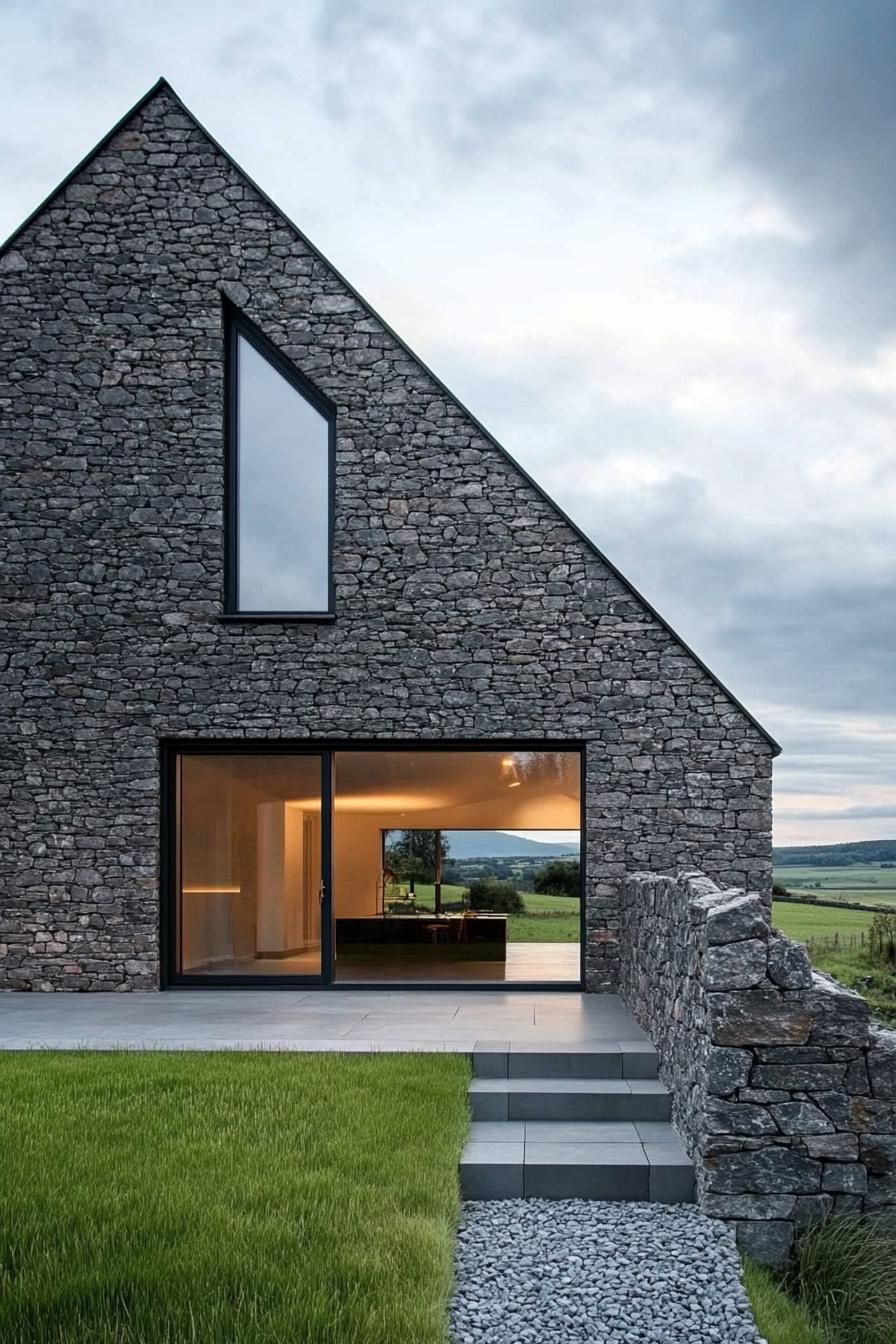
[(813, 99), (841, 814)]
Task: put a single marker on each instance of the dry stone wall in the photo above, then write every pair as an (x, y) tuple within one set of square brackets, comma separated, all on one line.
[(465, 605), (783, 1087)]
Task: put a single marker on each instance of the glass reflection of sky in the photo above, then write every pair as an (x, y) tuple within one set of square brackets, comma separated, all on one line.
[(283, 464)]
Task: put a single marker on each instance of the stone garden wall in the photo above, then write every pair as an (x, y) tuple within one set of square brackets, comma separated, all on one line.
[(784, 1089)]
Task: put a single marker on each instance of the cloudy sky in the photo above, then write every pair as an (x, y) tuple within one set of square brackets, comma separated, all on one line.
[(651, 245)]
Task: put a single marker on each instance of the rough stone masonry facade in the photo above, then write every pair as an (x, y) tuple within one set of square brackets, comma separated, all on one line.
[(783, 1087), (467, 607)]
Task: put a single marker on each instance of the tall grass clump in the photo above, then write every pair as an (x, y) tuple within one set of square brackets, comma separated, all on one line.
[(882, 935), (844, 1273)]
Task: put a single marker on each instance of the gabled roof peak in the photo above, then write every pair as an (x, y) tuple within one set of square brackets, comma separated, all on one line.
[(162, 85)]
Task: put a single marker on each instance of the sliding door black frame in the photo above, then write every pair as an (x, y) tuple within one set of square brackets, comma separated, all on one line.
[(172, 749), (172, 752)]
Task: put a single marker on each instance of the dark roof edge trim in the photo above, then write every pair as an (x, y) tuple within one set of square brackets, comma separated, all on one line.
[(162, 83)]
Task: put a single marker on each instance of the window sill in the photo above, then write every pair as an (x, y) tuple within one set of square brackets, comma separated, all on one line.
[(277, 618)]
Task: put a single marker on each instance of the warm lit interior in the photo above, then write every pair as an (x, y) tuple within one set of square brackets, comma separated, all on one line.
[(250, 860)]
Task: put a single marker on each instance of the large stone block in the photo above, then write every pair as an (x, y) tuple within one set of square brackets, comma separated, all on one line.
[(881, 1193), (833, 1147), (734, 965), (845, 1179), (757, 1017), (799, 1077), (788, 964), (736, 919), (809, 1208), (726, 1117), (768, 1243), (841, 1017), (726, 1069), (748, 1206), (867, 1115), (878, 1153), (768, 1171), (882, 1063), (801, 1117)]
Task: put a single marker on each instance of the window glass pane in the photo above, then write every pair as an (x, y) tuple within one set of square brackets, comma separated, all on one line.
[(282, 491), (250, 865)]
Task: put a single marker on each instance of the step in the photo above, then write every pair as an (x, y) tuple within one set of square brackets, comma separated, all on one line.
[(548, 1098), (538, 1159), (608, 1059)]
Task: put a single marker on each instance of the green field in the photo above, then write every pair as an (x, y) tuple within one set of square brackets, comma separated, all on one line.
[(548, 919), (866, 882), (805, 922), (156, 1198), (836, 945)]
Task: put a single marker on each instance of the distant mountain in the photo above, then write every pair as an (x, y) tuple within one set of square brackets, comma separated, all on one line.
[(835, 856), (495, 845)]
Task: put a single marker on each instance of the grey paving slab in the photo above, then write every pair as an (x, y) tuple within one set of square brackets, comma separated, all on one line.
[(583, 1131), (489, 1105), (566, 1061), (586, 1154), (260, 1019), (551, 1085), (498, 1131), (488, 1150), (491, 1180), (667, 1154), (656, 1131), (671, 1174), (490, 1061), (586, 1179)]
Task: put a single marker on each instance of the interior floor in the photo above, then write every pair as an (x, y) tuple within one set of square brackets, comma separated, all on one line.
[(526, 963)]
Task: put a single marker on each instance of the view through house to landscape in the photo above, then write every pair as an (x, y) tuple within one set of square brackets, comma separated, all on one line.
[(447, 866)]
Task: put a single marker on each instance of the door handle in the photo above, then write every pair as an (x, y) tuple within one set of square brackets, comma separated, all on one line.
[(322, 892)]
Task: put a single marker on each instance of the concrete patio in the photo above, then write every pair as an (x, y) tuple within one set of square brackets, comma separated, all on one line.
[(357, 1020)]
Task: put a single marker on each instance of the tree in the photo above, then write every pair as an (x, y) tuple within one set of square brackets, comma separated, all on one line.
[(489, 893), (561, 877), (417, 856)]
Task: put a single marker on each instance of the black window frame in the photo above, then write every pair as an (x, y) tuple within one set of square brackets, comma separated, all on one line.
[(237, 325), (172, 749)]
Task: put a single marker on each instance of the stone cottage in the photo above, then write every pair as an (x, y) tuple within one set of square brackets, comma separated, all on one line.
[(271, 593)]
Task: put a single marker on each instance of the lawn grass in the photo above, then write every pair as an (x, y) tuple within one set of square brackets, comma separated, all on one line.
[(780, 1319), (855, 969), (850, 962), (548, 919), (213, 1198), (551, 928)]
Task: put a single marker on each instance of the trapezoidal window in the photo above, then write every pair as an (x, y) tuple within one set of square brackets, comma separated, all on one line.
[(280, 442)]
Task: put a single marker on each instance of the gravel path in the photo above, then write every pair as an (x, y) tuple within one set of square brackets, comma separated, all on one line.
[(587, 1272)]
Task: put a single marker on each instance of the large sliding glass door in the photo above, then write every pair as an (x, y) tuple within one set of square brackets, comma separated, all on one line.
[(251, 865), (287, 864)]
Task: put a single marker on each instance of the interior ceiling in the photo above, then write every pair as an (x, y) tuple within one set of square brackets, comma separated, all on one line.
[(378, 781), (422, 780)]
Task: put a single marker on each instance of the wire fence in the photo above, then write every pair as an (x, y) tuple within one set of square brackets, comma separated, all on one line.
[(841, 942), (877, 942)]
